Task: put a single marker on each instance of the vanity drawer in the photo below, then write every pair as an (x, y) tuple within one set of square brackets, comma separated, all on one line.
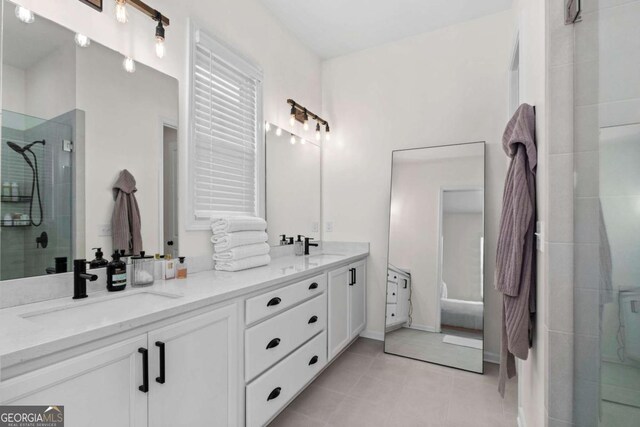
[(392, 292), (269, 341), (273, 390), (259, 307), (392, 314)]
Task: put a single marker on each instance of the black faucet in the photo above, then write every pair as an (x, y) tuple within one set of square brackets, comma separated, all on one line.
[(307, 244), (80, 277)]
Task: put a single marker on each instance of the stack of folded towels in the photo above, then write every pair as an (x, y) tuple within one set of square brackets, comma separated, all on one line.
[(239, 243)]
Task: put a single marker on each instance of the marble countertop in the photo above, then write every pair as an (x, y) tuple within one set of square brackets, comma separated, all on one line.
[(35, 330)]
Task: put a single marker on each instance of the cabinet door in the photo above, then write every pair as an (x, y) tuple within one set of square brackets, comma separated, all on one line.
[(338, 317), (357, 299), (201, 376), (97, 389)]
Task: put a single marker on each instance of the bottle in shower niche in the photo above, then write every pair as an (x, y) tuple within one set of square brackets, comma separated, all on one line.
[(6, 190), (15, 191), (116, 274)]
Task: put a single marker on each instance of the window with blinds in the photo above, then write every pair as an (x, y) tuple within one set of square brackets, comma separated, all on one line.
[(226, 122)]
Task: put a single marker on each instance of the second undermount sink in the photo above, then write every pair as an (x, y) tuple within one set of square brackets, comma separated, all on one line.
[(99, 309)]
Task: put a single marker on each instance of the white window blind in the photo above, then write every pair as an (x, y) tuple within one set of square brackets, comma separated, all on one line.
[(225, 124)]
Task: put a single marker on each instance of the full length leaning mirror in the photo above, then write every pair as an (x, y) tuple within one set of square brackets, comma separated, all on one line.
[(73, 119), (435, 276)]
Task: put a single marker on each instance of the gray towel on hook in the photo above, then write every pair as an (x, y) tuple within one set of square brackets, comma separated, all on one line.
[(125, 222), (516, 255)]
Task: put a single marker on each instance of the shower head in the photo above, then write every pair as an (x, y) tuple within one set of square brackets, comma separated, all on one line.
[(15, 147)]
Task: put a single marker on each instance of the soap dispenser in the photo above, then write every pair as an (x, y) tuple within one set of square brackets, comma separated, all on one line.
[(98, 261), (299, 246), (116, 274), (181, 269)]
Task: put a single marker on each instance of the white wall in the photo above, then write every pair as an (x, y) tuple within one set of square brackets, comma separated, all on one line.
[(13, 89), (415, 220), (461, 269), (290, 69), (444, 87)]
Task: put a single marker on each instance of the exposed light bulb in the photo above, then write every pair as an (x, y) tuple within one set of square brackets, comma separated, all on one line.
[(318, 136), (292, 118), (121, 11), (293, 139), (129, 65), (25, 15), (327, 132), (160, 49), (279, 131), (82, 40), (267, 126), (305, 126)]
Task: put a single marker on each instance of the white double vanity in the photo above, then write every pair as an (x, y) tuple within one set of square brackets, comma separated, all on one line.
[(214, 349)]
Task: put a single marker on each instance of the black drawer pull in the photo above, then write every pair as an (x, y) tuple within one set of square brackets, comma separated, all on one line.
[(145, 370), (274, 301), (393, 315), (393, 294), (313, 319), (275, 393), (273, 343), (314, 285), (161, 378), (313, 360)]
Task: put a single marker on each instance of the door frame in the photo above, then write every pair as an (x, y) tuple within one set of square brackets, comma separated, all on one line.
[(165, 122)]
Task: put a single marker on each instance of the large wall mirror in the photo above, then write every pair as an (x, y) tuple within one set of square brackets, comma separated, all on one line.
[(73, 119), (293, 186), (434, 304)]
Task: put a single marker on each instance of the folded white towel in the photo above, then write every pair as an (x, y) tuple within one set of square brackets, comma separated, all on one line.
[(237, 223), (224, 242), (241, 252), (243, 264)]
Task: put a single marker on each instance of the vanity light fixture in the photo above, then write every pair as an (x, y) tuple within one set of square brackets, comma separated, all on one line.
[(292, 140), (279, 131), (121, 11), (82, 40), (267, 126), (302, 115), (327, 132), (129, 64), (25, 15)]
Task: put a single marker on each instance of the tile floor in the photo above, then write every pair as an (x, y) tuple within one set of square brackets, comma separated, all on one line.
[(365, 387)]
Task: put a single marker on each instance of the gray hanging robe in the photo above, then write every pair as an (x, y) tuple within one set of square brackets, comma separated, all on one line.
[(125, 222)]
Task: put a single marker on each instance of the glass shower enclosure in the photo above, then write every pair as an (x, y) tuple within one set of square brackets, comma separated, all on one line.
[(607, 214), (36, 199)]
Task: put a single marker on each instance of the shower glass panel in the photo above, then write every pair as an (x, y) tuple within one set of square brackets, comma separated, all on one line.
[(35, 208), (607, 215)]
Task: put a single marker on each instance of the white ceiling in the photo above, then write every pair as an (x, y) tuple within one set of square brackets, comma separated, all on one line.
[(336, 27)]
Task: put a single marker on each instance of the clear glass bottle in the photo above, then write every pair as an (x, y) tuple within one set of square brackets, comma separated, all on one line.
[(181, 269)]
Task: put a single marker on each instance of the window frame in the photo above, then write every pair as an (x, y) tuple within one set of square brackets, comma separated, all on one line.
[(237, 60)]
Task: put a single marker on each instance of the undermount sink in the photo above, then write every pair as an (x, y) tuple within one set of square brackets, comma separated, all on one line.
[(99, 309), (325, 254)]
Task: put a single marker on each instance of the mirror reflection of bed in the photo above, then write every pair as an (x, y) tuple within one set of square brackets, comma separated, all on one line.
[(435, 283)]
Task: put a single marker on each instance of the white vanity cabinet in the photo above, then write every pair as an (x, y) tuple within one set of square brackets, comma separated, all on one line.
[(347, 305), (97, 389), (111, 386), (398, 298)]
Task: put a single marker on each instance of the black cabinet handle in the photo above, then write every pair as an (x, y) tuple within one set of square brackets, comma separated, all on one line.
[(313, 319), (313, 360), (355, 276), (273, 343), (145, 370), (275, 393), (161, 378), (393, 315), (406, 283), (274, 301), (312, 286), (352, 280), (393, 293)]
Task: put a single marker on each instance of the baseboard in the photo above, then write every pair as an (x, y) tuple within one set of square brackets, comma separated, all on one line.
[(422, 327), (374, 335), (491, 357), (521, 420)]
